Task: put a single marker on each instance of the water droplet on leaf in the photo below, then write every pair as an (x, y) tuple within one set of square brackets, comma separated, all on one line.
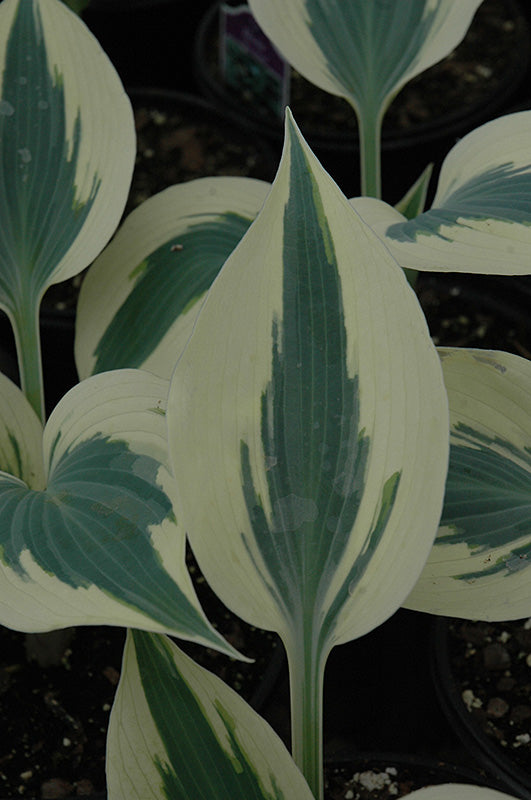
[(6, 109)]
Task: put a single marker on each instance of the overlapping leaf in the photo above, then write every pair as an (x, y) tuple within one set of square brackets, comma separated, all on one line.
[(311, 382), (178, 731), (88, 533), (140, 298), (480, 219), (480, 563)]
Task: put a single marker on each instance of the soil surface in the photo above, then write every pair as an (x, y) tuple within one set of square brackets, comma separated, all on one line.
[(490, 666), (55, 718), (389, 780), (493, 49)]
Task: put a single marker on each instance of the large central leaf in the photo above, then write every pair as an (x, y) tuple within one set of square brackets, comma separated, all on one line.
[(311, 383), (314, 449), (306, 381)]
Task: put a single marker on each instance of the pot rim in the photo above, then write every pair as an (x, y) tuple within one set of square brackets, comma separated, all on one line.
[(448, 771), (448, 126), (511, 776)]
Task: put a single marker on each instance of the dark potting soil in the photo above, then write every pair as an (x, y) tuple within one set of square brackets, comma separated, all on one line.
[(55, 718), (467, 78), (475, 311), (389, 780), (490, 664)]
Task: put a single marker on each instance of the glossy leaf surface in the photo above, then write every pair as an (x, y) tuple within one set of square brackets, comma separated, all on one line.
[(178, 731), (480, 217), (88, 533), (140, 298), (480, 562)]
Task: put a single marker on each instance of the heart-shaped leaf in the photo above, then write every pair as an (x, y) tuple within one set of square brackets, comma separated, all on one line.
[(140, 298), (88, 533), (478, 568), (178, 731)]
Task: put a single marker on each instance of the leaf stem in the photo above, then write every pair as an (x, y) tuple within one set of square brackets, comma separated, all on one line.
[(306, 669), (25, 322), (370, 135)]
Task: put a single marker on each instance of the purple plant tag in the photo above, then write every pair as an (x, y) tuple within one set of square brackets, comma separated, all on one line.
[(249, 61)]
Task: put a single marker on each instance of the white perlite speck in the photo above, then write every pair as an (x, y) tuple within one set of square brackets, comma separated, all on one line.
[(375, 780), (470, 700)]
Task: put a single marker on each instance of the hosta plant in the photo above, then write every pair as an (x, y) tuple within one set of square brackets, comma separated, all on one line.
[(365, 52), (257, 374)]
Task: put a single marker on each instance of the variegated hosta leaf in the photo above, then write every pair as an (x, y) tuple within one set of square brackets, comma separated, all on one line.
[(458, 791), (67, 143), (178, 731), (480, 218), (87, 529), (308, 419), (480, 564), (140, 298), (364, 50)]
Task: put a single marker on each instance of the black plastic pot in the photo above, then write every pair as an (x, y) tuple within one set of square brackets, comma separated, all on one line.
[(148, 41), (486, 311), (191, 109), (400, 774), (404, 154), (378, 695), (494, 759)]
